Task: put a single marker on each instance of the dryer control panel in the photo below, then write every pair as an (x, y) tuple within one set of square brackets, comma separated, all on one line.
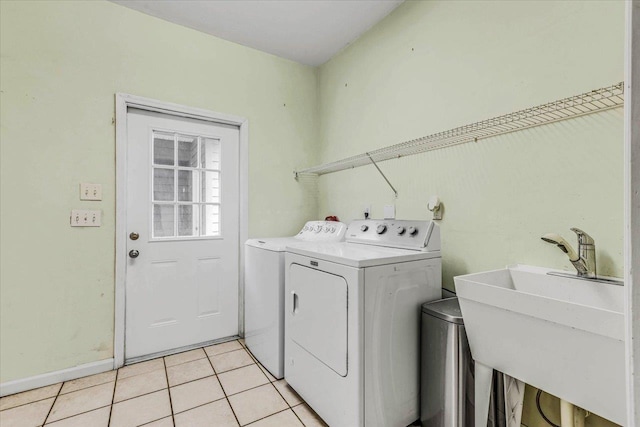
[(394, 233)]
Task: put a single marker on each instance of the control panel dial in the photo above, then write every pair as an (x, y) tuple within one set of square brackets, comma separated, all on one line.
[(413, 231), (400, 230), (364, 227), (381, 229)]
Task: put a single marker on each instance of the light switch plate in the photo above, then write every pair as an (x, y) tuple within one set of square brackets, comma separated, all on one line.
[(85, 218), (389, 211), (90, 191)]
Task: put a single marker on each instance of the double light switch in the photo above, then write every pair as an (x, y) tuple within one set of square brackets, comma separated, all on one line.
[(90, 191)]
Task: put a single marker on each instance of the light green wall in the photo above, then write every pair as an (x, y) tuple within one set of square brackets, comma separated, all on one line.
[(429, 66), (432, 66), (62, 63)]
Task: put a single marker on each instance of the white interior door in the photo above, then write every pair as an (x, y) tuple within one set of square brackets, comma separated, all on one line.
[(182, 232)]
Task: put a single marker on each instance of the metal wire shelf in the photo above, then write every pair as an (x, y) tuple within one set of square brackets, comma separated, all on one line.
[(575, 106)]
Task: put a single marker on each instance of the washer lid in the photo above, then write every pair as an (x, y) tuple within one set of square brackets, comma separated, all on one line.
[(313, 231), (358, 255), (445, 309), (275, 244)]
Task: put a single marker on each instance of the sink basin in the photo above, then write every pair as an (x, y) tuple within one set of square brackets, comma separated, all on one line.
[(561, 334)]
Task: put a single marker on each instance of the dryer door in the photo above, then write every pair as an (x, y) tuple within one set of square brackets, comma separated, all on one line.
[(319, 315)]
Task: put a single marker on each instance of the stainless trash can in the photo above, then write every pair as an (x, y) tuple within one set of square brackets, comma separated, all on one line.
[(447, 385)]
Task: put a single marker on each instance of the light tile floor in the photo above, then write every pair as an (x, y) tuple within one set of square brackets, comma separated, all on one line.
[(220, 385)]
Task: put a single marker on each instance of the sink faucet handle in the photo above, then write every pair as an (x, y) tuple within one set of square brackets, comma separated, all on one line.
[(583, 238)]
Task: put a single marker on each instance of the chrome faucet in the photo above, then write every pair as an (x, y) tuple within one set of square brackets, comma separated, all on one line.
[(585, 259)]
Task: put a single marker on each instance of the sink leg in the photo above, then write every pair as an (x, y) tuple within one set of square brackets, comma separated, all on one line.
[(570, 415), (483, 380)]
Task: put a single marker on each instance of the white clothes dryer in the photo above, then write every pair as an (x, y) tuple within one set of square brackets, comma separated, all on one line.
[(264, 290), (352, 321)]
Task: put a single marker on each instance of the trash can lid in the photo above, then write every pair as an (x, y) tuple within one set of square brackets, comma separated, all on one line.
[(445, 309)]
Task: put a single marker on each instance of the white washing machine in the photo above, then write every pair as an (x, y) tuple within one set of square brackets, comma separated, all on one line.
[(352, 321), (264, 290)]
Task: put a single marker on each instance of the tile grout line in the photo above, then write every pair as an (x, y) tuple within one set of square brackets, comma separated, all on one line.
[(256, 362), (177, 385), (153, 421), (113, 397), (206, 356), (231, 370), (83, 412), (29, 403), (298, 417), (275, 380), (140, 395), (262, 368), (223, 390), (166, 374), (224, 352), (89, 386), (273, 384), (53, 403), (237, 393), (197, 406), (79, 413), (281, 395), (270, 415), (287, 402)]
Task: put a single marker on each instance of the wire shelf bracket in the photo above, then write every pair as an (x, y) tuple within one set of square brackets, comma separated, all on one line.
[(595, 101), (395, 192)]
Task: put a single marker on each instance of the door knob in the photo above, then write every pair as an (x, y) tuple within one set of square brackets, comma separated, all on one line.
[(134, 236), (134, 253)]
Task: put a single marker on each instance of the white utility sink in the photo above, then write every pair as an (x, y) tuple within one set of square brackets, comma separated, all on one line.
[(562, 334)]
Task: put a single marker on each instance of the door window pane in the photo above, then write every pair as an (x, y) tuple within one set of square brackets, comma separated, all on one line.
[(163, 221), (186, 193), (187, 151), (163, 149), (187, 220), (211, 187), (163, 185), (210, 220), (210, 153), (186, 186)]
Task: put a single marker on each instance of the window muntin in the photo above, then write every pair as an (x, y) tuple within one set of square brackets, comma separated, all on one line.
[(185, 194)]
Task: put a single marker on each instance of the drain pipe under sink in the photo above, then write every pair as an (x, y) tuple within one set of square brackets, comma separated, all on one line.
[(571, 415)]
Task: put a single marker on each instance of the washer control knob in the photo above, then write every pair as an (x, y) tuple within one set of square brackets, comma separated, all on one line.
[(364, 227), (400, 230), (326, 229), (318, 228), (332, 229), (413, 231), (381, 229)]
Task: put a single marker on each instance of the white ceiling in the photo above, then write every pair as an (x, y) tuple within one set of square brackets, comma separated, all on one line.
[(305, 31)]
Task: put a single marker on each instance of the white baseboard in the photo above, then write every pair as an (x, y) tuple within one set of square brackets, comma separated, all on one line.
[(16, 386)]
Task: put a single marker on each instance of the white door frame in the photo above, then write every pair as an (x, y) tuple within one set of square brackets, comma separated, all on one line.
[(632, 209), (123, 102)]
